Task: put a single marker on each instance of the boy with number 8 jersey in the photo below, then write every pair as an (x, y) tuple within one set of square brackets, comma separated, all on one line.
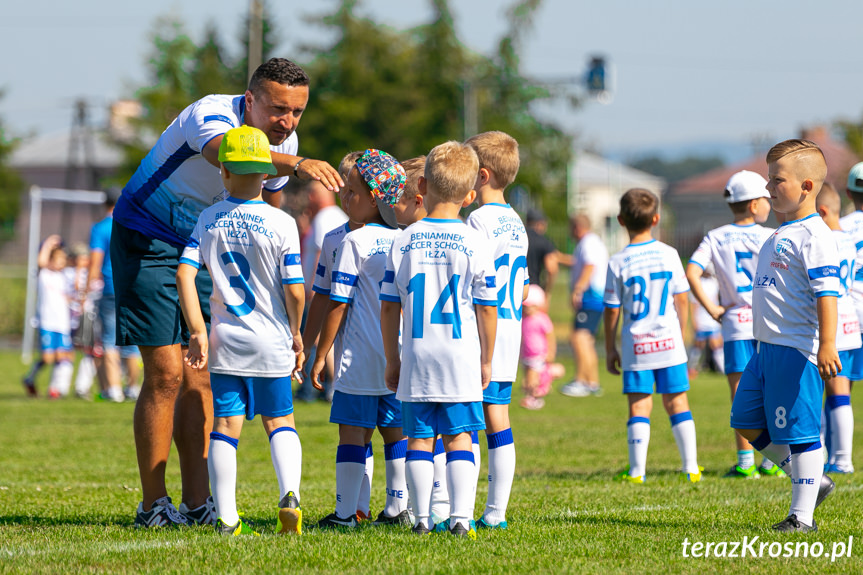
[(440, 273), (646, 285), (252, 251)]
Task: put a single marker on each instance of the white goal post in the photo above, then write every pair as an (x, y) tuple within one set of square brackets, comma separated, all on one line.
[(37, 196)]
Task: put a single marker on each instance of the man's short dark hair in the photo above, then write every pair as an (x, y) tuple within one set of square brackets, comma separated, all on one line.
[(279, 70)]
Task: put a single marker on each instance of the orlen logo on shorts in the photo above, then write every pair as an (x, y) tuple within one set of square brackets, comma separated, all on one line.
[(850, 327), (653, 346)]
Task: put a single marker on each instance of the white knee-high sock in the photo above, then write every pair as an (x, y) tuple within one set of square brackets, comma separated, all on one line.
[(638, 438), (222, 465), (364, 501), (440, 493), (85, 375), (419, 471), (683, 428), (397, 489), (61, 377), (460, 478), (779, 454), (350, 467), (807, 468), (287, 455), (477, 457), (841, 419), (501, 470)]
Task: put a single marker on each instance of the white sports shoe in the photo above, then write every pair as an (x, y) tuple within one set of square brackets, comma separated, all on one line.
[(576, 389)]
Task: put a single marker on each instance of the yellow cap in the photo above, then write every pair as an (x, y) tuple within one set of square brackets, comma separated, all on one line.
[(246, 150)]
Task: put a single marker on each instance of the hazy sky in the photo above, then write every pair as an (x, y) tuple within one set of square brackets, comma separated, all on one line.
[(686, 72)]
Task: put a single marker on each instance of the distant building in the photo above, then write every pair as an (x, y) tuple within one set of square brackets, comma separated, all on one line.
[(595, 188), (697, 203)]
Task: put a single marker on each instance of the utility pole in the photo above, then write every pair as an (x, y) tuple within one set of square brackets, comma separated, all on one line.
[(81, 173), (256, 35)]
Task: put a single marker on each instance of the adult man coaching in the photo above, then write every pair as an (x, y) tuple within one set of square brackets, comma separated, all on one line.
[(153, 220)]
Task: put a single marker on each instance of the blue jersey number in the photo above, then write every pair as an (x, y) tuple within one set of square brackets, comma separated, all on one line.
[(417, 287), (845, 274), (239, 282), (639, 297), (507, 293), (747, 285)]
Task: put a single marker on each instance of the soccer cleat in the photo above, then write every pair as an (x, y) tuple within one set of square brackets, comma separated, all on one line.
[(483, 524), (362, 516), (833, 468), (824, 490), (532, 403), (402, 518), (333, 521), (290, 515), (161, 514), (774, 471), (203, 515), (790, 525), (240, 528), (54, 394), (575, 388), (30, 385), (460, 530), (737, 472), (420, 529), (625, 476), (441, 527), (691, 477)]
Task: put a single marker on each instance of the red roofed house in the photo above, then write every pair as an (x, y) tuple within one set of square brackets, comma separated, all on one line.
[(698, 205)]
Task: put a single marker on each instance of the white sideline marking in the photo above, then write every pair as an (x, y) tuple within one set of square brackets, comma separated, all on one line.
[(102, 546)]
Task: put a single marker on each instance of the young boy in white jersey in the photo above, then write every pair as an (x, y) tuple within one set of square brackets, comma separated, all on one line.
[(507, 239), (839, 408), (837, 427), (733, 251), (777, 407), (645, 284), (706, 347), (441, 274), (411, 206), (55, 327), (252, 251), (361, 400)]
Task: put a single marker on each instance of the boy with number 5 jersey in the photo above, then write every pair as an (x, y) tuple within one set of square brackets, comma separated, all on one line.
[(440, 274), (645, 284), (778, 403), (252, 251)]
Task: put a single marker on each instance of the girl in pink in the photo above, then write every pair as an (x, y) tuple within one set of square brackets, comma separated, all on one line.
[(538, 348)]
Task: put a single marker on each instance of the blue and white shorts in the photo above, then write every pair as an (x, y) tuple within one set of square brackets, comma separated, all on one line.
[(737, 354), (852, 364), (55, 341), (674, 379), (367, 411), (250, 396), (780, 391), (498, 393), (427, 419)]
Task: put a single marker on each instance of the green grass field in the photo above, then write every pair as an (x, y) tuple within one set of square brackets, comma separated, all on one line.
[(69, 487)]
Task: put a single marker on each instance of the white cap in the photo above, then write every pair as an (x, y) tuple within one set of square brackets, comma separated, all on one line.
[(745, 185), (855, 178)]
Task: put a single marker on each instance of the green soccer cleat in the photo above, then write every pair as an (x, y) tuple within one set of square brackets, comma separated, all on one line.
[(737, 472), (240, 528), (290, 515), (774, 471), (625, 476)]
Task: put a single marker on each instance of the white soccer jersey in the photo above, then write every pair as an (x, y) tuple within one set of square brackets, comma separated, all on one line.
[(853, 224), (325, 221), (439, 269), (508, 240), (251, 250), (53, 297), (329, 247), (590, 251), (356, 280), (848, 326), (733, 250), (642, 280), (701, 320), (798, 263), (174, 182)]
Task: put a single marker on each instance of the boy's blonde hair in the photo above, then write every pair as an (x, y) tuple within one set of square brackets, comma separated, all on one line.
[(414, 168), (347, 164), (637, 208), (809, 160), (451, 170), (829, 198), (497, 153)]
